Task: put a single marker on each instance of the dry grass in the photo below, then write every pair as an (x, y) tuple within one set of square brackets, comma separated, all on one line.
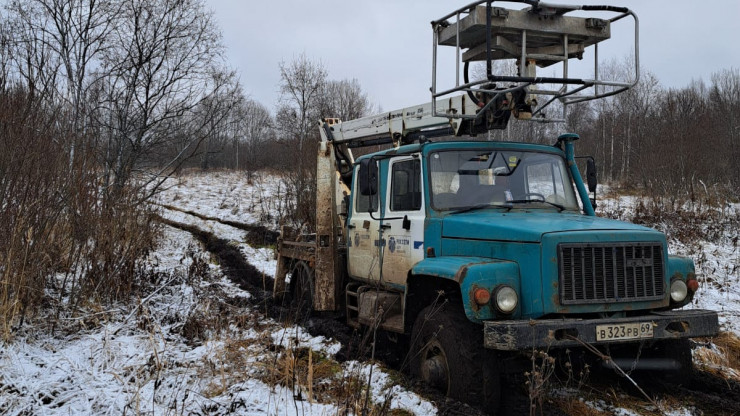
[(730, 344), (719, 355), (310, 374), (575, 406), (538, 379), (69, 239)]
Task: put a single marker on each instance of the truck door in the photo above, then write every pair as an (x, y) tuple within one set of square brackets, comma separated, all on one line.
[(362, 227), (403, 223)]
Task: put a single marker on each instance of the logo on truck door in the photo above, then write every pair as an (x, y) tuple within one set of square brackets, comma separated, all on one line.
[(398, 245), (361, 240)]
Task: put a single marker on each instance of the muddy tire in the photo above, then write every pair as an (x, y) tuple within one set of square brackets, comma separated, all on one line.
[(447, 353), (300, 300)]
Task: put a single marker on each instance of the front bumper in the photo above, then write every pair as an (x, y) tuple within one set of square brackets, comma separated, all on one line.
[(557, 333)]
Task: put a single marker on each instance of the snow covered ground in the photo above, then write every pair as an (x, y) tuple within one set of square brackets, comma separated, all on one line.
[(193, 344), (161, 355)]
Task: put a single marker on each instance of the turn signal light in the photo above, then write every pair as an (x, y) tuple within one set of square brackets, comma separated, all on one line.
[(482, 296), (693, 285)]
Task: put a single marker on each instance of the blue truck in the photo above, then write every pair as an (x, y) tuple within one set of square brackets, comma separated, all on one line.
[(468, 250)]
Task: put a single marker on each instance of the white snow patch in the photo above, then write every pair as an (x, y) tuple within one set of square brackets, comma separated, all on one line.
[(383, 389), (296, 336)]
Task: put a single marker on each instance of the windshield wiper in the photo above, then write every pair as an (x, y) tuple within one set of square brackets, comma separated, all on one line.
[(482, 206), (560, 208)]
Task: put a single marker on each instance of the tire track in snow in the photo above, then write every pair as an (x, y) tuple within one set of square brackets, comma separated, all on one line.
[(257, 234), (231, 259)]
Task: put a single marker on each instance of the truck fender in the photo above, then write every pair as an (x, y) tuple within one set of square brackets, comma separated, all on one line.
[(470, 274)]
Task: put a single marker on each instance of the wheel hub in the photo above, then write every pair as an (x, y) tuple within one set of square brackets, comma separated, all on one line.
[(434, 369)]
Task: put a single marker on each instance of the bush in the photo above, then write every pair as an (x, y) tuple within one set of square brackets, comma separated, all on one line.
[(66, 239)]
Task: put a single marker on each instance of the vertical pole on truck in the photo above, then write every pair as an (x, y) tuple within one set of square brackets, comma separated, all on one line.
[(329, 193)]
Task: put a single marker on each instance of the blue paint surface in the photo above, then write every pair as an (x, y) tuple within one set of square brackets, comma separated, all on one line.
[(526, 226), (474, 273)]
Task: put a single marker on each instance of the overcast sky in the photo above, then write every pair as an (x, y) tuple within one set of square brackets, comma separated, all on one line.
[(387, 45)]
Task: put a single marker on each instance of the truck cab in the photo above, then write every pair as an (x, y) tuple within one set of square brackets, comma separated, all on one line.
[(501, 224)]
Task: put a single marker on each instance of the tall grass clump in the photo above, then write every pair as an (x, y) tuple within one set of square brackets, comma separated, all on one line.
[(697, 213), (66, 240)]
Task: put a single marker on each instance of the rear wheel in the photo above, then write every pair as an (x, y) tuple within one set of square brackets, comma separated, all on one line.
[(448, 354), (301, 292)]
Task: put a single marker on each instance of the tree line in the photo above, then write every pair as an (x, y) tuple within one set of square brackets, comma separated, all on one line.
[(670, 141)]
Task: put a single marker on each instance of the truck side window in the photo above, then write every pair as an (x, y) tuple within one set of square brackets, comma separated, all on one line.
[(406, 186), (364, 202)]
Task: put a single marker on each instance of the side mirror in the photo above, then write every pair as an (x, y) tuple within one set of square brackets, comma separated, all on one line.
[(368, 180), (591, 175)]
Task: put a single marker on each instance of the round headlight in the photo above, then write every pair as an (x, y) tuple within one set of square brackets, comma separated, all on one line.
[(679, 291), (506, 299)]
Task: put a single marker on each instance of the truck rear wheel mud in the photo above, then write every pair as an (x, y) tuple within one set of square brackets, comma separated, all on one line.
[(447, 353), (300, 300)]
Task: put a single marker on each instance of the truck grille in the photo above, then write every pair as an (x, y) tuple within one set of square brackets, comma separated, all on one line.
[(606, 273)]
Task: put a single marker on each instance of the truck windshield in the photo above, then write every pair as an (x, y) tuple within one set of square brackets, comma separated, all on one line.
[(463, 179)]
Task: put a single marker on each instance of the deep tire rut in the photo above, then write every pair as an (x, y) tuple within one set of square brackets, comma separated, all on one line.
[(256, 234), (232, 261), (236, 267)]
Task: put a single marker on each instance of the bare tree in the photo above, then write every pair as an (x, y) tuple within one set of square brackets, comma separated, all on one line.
[(218, 113), (73, 34), (725, 101), (32, 59), (344, 100), (5, 50), (163, 66), (255, 129), (302, 82)]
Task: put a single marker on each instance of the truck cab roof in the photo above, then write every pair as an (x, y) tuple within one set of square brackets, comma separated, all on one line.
[(429, 147)]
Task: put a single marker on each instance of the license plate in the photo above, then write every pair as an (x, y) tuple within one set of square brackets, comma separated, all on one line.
[(637, 330)]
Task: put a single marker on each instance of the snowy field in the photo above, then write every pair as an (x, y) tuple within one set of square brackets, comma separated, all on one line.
[(192, 344)]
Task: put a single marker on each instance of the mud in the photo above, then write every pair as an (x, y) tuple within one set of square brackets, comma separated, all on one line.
[(707, 392), (232, 262)]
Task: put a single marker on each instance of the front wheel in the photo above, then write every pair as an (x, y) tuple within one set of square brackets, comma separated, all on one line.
[(448, 354)]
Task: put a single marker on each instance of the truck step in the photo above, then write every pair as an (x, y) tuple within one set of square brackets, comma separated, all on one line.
[(351, 302), (393, 323)]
